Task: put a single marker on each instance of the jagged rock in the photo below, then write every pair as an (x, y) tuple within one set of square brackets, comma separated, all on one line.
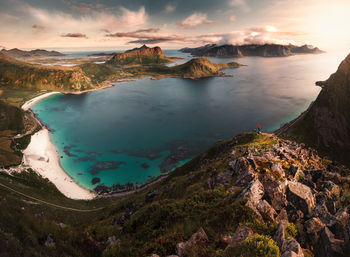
[(154, 255), (277, 195), (295, 171), (241, 233), (279, 235), (313, 226), (333, 189), (347, 237), (289, 254), (254, 191), (243, 170), (282, 216), (327, 245), (198, 238), (267, 212), (50, 242), (301, 197), (291, 245), (338, 227), (277, 168)]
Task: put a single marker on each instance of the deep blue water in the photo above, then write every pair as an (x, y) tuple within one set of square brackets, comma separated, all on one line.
[(136, 130)]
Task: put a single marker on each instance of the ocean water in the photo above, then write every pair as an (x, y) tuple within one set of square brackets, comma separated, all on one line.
[(138, 130)]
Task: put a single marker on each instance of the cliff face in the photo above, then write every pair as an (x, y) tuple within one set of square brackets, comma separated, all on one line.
[(267, 50), (326, 124), (153, 55)]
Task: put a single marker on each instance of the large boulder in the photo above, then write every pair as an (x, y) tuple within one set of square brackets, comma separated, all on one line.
[(267, 212), (301, 197), (199, 238), (254, 191), (243, 171), (327, 245), (277, 195), (277, 169), (279, 235), (291, 245), (313, 226)]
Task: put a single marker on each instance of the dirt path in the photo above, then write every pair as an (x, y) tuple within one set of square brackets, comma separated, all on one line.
[(50, 204)]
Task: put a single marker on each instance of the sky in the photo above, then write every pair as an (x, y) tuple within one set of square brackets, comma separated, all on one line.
[(172, 24)]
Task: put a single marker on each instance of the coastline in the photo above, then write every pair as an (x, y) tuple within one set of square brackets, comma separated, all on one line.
[(42, 156)]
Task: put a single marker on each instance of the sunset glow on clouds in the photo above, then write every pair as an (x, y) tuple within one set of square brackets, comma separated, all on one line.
[(172, 24)]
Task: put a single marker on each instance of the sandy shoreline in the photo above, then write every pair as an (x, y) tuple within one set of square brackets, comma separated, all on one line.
[(42, 156), (26, 106)]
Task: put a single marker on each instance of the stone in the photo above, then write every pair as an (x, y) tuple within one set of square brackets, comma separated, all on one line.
[(289, 254), (301, 197), (267, 212), (254, 191), (347, 237), (279, 235), (112, 240), (199, 238), (282, 216), (154, 255), (50, 242), (290, 244), (241, 233), (313, 225), (277, 196), (295, 171), (244, 172), (327, 245), (277, 168)]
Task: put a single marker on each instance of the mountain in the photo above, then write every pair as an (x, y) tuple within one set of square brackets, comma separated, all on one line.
[(326, 123), (267, 50), (18, 74), (143, 47), (141, 56), (17, 53), (253, 195)]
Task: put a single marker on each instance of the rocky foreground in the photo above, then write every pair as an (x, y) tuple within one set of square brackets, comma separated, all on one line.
[(290, 185)]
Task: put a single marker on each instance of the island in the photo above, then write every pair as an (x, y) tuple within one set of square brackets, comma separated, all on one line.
[(17, 53), (265, 50)]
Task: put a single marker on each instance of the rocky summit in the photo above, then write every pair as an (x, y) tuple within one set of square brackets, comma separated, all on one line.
[(286, 185)]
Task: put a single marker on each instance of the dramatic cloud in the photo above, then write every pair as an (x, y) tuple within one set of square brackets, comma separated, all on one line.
[(79, 35), (169, 8), (240, 4), (233, 18), (195, 20)]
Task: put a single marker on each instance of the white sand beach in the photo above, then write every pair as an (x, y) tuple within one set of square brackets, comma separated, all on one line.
[(33, 101), (41, 155)]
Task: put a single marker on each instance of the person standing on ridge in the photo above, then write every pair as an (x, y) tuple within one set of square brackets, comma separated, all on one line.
[(259, 128)]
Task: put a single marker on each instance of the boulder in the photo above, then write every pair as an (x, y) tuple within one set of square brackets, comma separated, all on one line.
[(282, 216), (347, 237), (277, 169), (290, 254), (241, 233), (327, 245), (243, 170), (295, 171), (267, 212), (291, 245), (199, 238), (301, 197), (313, 226), (254, 191), (277, 195), (279, 235)]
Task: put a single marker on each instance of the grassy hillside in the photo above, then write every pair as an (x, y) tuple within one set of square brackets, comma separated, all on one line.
[(198, 194)]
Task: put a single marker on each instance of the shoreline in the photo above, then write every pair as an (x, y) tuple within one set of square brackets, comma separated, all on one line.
[(42, 156)]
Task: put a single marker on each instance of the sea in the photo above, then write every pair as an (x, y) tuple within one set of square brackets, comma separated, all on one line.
[(140, 129)]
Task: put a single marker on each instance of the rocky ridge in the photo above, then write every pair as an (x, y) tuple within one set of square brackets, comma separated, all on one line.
[(290, 185)]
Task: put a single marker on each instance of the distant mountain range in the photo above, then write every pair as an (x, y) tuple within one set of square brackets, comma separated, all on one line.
[(267, 50), (17, 53)]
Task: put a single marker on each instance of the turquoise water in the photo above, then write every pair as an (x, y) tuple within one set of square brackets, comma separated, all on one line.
[(141, 129)]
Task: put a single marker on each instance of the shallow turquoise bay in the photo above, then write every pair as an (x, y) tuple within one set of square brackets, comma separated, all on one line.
[(128, 133)]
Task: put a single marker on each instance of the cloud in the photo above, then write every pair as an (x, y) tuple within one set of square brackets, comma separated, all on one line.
[(195, 20), (169, 8), (150, 41), (38, 27), (134, 34), (240, 4), (232, 18), (78, 35)]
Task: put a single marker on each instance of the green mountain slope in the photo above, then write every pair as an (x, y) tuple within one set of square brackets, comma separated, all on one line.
[(326, 124)]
